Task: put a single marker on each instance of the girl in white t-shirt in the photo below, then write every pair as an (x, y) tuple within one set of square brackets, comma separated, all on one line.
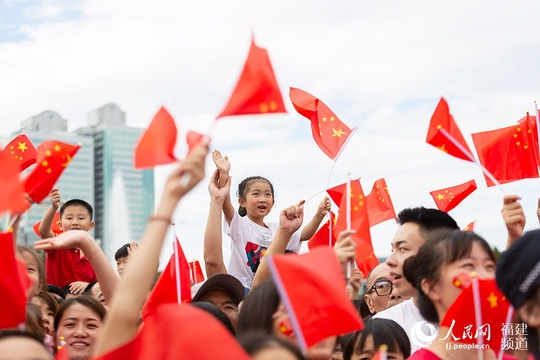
[(249, 233)]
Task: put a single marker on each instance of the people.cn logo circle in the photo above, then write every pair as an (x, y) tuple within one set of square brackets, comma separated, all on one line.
[(423, 333)]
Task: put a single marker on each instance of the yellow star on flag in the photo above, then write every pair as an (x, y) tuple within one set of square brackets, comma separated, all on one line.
[(22, 146), (492, 300), (440, 196), (338, 133)]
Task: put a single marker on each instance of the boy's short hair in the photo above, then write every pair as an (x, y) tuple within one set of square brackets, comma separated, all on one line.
[(122, 252), (56, 290), (79, 202)]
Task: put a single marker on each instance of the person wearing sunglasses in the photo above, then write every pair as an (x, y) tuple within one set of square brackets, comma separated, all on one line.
[(380, 292)]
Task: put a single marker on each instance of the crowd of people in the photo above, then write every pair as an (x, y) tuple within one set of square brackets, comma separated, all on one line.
[(80, 307)]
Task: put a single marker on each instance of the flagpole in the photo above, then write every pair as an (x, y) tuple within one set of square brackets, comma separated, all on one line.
[(537, 125), (348, 218), (177, 269), (509, 315), (469, 155), (478, 314)]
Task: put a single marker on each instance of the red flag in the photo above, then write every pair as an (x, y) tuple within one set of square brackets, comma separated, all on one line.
[(257, 90), (13, 299), (508, 153), (470, 227), (460, 317), (156, 145), (442, 120), (196, 272), (448, 198), (322, 236), (22, 150), (55, 226), (336, 193), (365, 258), (52, 158), (330, 134), (165, 292), (314, 318), (12, 199), (379, 204)]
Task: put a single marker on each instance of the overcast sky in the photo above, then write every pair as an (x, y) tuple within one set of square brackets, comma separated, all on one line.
[(381, 66)]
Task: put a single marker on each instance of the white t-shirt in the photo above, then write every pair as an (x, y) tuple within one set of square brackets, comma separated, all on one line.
[(421, 332), (249, 242)]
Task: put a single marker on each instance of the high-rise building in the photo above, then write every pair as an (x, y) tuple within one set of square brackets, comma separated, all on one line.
[(122, 196)]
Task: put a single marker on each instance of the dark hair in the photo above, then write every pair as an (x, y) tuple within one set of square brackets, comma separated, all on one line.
[(384, 332), (88, 289), (84, 300), (442, 248), (33, 322), (49, 300), (65, 289), (255, 342), (427, 219), (258, 308), (53, 289), (244, 186), (77, 202), (122, 252), (27, 252), (11, 333), (215, 312)]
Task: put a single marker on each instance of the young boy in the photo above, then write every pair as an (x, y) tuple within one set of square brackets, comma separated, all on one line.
[(122, 256), (68, 267)]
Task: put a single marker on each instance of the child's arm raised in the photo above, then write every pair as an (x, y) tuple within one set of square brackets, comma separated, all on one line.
[(290, 220), (121, 324), (309, 230), (213, 241), (81, 239), (224, 166), (45, 226)]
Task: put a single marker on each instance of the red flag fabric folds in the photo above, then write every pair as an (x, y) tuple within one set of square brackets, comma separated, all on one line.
[(448, 198), (13, 299), (379, 204), (52, 158), (508, 153), (330, 133), (55, 225), (314, 318), (443, 120), (470, 226), (164, 292), (12, 199), (196, 272), (365, 258), (322, 236), (156, 145), (460, 317), (257, 90), (22, 150)]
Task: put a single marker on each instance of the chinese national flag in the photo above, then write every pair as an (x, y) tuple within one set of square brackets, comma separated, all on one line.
[(13, 284), (365, 258), (156, 145), (330, 134), (470, 227), (379, 203), (195, 271), (322, 236), (448, 198), (52, 158), (460, 317), (164, 292), (508, 153), (22, 150), (55, 225), (314, 318), (257, 90), (442, 119), (12, 199)]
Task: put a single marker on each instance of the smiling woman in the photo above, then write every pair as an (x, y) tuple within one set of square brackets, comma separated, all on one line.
[(77, 325)]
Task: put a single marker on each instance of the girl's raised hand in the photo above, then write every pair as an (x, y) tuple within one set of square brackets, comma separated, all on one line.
[(324, 206), (290, 219), (222, 162), (213, 188)]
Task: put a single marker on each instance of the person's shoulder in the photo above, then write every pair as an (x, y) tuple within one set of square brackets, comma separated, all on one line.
[(391, 312)]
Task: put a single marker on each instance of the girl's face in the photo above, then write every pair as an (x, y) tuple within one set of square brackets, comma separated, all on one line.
[(47, 315), (258, 199), (32, 272), (478, 261), (78, 330), (368, 351)]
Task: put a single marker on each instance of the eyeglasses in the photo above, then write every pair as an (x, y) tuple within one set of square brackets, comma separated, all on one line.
[(381, 287)]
